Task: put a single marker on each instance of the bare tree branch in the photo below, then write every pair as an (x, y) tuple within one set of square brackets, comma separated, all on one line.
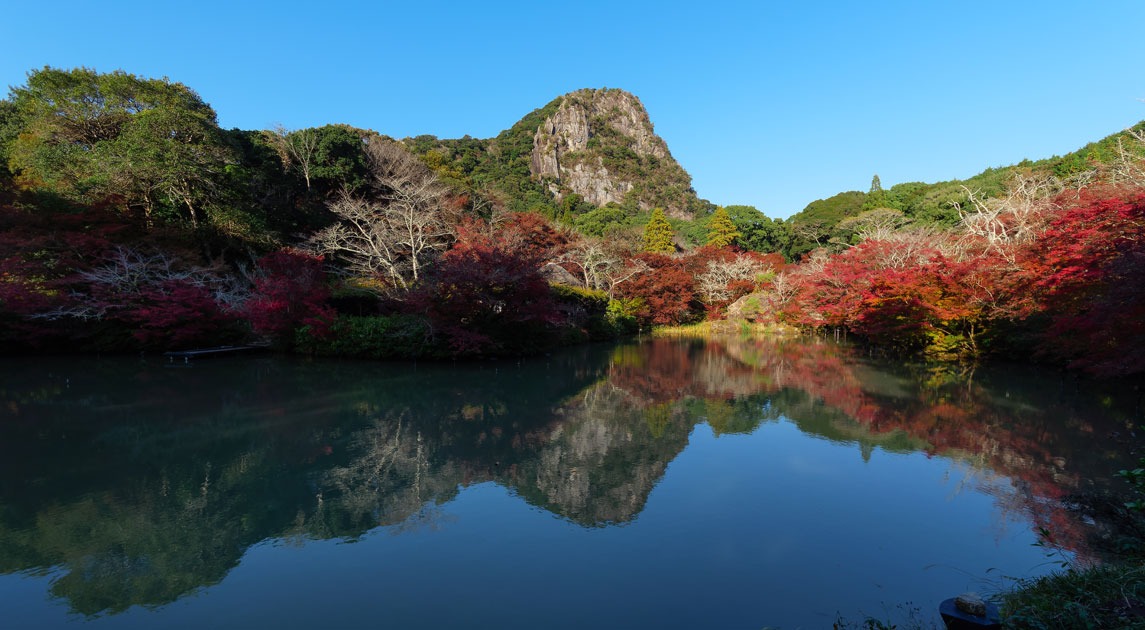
[(131, 272), (714, 282), (398, 232), (1003, 224)]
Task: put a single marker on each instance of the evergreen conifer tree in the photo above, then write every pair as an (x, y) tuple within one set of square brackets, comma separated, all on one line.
[(877, 197), (658, 233), (721, 230)]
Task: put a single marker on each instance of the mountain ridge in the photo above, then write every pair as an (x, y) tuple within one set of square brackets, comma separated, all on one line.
[(585, 149)]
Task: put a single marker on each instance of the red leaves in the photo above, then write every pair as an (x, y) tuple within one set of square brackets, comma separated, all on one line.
[(1077, 287), (1087, 274), (1082, 244), (898, 294), (177, 314), (667, 291), (289, 293), (486, 294), (530, 237)]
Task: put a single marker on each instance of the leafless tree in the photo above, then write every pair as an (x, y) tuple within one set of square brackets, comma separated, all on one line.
[(783, 288), (601, 267), (815, 260), (296, 149), (878, 224), (593, 261), (1129, 167), (1004, 223), (713, 283), (910, 248), (398, 230), (129, 271)]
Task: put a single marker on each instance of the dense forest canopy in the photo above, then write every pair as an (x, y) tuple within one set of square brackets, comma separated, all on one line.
[(130, 220)]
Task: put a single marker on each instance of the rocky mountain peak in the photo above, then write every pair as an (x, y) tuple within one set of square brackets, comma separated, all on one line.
[(600, 144)]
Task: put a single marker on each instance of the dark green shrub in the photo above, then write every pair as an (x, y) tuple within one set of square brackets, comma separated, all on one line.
[(370, 337)]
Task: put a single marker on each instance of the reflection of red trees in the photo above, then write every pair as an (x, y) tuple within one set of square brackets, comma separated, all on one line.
[(956, 421), (660, 370)]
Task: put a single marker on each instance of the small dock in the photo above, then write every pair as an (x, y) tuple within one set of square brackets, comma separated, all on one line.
[(208, 353)]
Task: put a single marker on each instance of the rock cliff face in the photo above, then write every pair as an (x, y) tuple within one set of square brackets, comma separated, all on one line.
[(600, 144)]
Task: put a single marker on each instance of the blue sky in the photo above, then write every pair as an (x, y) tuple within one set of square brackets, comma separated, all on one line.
[(765, 103)]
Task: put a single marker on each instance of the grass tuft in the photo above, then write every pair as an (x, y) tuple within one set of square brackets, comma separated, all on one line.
[(1110, 596)]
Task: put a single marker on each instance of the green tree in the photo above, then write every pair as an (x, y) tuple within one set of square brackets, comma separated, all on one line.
[(165, 159), (10, 126), (721, 230), (329, 159), (340, 159), (151, 145), (658, 233), (876, 197), (760, 233), (571, 207), (812, 226), (597, 222)]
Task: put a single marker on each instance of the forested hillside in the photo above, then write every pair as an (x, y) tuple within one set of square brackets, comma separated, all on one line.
[(938, 204), (129, 220)]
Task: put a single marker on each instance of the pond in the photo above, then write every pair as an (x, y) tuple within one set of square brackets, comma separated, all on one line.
[(736, 483)]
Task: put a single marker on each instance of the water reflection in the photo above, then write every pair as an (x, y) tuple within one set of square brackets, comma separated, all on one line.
[(135, 483)]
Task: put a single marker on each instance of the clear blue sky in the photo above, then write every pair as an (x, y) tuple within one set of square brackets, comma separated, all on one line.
[(772, 104)]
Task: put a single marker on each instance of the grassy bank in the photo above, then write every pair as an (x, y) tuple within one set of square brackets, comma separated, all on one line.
[(1107, 596), (711, 328)]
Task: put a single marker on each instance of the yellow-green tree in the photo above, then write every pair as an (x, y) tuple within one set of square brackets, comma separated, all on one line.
[(658, 233), (721, 231)]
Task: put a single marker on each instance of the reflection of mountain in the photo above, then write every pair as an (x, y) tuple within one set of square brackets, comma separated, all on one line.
[(140, 483), (602, 461)]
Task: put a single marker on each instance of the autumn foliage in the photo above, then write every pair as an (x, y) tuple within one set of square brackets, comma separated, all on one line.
[(486, 294), (1087, 277), (666, 291), (1069, 290), (289, 293), (178, 314), (165, 254)]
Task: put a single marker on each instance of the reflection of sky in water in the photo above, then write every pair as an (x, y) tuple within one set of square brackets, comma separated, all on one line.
[(733, 536), (521, 497)]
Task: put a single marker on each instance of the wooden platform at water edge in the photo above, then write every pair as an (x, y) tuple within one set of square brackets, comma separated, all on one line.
[(208, 353)]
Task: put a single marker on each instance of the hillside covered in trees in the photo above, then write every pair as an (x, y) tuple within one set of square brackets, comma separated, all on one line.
[(129, 220)]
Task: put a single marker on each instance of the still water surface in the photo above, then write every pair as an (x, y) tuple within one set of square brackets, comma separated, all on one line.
[(667, 484)]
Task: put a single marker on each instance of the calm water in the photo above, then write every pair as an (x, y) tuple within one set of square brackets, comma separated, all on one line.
[(659, 484)]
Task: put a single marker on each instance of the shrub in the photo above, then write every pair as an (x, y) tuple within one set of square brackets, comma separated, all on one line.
[(371, 337), (290, 293)]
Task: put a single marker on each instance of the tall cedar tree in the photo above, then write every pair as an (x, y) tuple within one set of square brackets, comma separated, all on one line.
[(658, 234), (721, 231)]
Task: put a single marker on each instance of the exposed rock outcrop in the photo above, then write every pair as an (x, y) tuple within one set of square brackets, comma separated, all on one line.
[(600, 144)]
